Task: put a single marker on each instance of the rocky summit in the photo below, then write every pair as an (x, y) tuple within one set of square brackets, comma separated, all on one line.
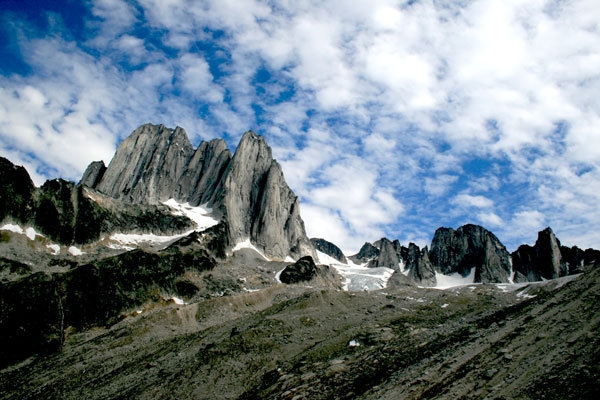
[(180, 272)]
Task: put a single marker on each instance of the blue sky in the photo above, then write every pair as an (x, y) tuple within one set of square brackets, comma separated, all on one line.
[(390, 118)]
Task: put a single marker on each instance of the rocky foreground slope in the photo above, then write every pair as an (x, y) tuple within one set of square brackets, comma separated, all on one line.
[(484, 341)]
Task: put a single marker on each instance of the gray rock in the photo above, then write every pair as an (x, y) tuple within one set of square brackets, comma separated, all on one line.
[(329, 248), (388, 255), (93, 174), (470, 246), (203, 173), (548, 252), (258, 204), (156, 163), (16, 192), (147, 165), (422, 271)]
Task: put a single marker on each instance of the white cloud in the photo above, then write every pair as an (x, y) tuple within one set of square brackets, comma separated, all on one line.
[(467, 200), (373, 109), (197, 79)]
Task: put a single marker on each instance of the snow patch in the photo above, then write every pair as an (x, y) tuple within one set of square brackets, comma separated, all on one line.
[(12, 228), (278, 276), (177, 300), (200, 215), (246, 244), (31, 233), (55, 249), (289, 259), (403, 270), (326, 259), (453, 280), (125, 240), (75, 251)]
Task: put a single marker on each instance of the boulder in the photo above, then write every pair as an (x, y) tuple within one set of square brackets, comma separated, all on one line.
[(302, 270)]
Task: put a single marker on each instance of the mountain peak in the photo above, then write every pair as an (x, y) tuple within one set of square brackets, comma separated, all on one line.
[(156, 163)]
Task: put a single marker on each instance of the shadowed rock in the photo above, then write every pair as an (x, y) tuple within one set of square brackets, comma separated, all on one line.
[(543, 260)]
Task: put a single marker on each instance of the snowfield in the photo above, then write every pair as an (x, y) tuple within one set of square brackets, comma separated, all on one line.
[(29, 232), (201, 215), (453, 280), (358, 277)]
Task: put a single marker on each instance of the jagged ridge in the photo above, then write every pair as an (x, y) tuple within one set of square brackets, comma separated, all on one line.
[(247, 189)]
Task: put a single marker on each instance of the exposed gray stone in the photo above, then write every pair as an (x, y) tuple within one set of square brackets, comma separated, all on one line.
[(156, 163), (388, 255), (147, 165), (422, 271), (93, 174), (258, 204)]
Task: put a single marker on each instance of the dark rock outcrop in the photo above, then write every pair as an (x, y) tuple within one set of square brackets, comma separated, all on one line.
[(37, 309), (470, 246), (302, 270), (16, 192), (542, 261), (577, 260), (68, 213), (329, 248)]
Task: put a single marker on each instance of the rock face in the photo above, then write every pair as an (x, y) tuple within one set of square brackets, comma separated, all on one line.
[(258, 204), (156, 163), (470, 246), (248, 190), (329, 248), (421, 271), (388, 254), (576, 259), (70, 214)]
